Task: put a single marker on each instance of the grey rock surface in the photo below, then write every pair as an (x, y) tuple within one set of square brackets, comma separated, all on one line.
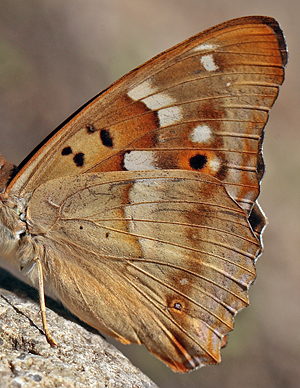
[(81, 359)]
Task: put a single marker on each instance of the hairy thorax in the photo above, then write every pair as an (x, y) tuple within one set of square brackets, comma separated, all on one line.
[(17, 247)]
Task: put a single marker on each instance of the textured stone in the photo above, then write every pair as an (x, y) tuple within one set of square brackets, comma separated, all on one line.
[(81, 359)]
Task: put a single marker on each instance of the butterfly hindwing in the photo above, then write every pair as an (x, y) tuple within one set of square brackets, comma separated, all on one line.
[(169, 245)]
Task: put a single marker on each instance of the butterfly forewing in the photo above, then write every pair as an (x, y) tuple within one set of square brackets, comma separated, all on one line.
[(142, 206), (200, 106)]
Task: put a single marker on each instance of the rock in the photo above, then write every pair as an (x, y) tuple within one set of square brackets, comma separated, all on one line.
[(81, 359)]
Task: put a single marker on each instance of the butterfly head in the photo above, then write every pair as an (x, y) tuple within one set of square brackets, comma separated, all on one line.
[(6, 171)]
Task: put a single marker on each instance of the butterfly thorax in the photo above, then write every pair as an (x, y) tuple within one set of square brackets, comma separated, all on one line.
[(11, 228), (14, 236), (17, 247)]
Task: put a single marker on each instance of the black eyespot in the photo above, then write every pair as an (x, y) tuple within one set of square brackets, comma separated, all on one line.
[(79, 159), (80, 227), (107, 234), (106, 138), (66, 151), (178, 306), (90, 128), (197, 162)]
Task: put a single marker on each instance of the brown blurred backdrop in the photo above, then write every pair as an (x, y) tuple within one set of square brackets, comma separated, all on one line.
[(55, 55)]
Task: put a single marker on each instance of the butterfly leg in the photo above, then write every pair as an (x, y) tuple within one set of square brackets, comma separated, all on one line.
[(49, 337)]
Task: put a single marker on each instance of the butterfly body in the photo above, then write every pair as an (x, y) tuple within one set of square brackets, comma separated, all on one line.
[(140, 210)]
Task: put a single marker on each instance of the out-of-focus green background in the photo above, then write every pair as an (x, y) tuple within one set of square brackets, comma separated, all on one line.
[(55, 55)]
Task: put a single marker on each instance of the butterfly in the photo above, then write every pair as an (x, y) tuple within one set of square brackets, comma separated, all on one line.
[(139, 213)]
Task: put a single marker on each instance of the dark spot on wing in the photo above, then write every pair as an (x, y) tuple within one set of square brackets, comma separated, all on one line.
[(222, 172), (257, 219), (66, 151), (106, 138), (177, 306), (79, 159), (198, 161), (90, 128), (260, 166)]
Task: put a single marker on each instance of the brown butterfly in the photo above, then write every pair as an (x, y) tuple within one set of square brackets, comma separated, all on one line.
[(139, 213)]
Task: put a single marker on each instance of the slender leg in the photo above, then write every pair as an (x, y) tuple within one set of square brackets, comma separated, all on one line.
[(50, 339)]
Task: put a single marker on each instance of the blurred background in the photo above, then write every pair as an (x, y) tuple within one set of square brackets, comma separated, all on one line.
[(55, 55)]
